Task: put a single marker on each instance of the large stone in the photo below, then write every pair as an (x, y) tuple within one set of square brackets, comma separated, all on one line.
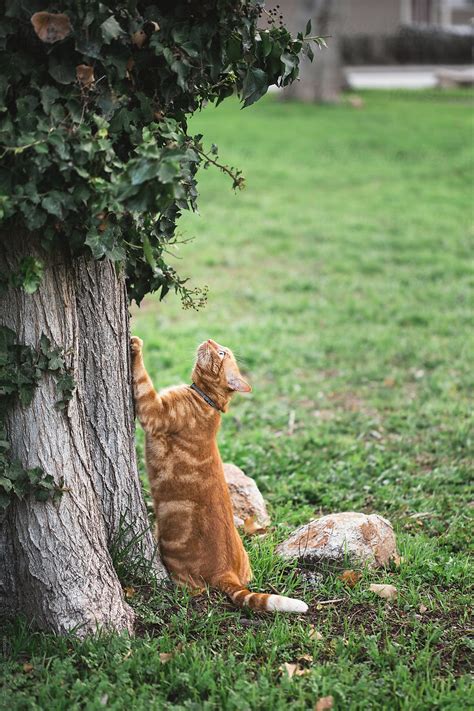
[(246, 498), (340, 537)]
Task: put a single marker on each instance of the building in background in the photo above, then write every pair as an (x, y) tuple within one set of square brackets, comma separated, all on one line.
[(386, 17), (378, 33)]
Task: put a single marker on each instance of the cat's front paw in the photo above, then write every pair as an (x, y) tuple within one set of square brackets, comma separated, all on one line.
[(136, 345)]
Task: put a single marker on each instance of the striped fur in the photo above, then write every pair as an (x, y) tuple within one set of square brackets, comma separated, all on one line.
[(198, 541)]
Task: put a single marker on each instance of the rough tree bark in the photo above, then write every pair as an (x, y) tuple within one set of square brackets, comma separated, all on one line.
[(55, 564), (321, 80)]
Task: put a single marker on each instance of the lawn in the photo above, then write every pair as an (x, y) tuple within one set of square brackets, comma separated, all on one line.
[(342, 277)]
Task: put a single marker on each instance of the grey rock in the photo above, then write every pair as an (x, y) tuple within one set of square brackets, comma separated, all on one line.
[(366, 539)]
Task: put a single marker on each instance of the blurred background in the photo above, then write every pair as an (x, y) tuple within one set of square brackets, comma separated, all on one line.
[(342, 274), (383, 44)]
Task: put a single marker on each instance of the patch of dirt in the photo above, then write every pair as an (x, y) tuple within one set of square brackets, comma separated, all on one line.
[(351, 402)]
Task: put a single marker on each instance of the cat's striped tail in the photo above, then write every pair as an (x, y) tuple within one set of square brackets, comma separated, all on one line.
[(263, 602)]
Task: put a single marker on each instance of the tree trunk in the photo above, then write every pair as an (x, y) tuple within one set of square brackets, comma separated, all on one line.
[(55, 562), (321, 80)]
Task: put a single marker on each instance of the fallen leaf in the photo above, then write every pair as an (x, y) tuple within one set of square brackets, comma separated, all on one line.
[(293, 670), (305, 658), (289, 668), (314, 633), (350, 578), (139, 38), (165, 657), (302, 672), (388, 592), (129, 592), (27, 667), (422, 608), (252, 527), (389, 382), (51, 27), (325, 702), (85, 75)]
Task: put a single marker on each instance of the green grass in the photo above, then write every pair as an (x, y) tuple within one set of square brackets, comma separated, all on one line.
[(343, 278)]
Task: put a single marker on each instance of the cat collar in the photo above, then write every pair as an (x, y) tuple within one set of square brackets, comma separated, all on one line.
[(205, 397)]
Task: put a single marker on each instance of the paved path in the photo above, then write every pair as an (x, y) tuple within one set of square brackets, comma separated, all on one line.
[(395, 77)]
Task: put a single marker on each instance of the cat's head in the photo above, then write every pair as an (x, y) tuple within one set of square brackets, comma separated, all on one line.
[(216, 369)]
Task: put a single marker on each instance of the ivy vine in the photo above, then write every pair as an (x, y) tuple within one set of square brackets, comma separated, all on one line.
[(21, 368)]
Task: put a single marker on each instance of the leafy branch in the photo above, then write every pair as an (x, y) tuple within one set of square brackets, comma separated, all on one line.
[(113, 177), (238, 181)]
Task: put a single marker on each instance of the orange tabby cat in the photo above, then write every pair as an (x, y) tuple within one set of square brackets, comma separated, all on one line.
[(198, 540)]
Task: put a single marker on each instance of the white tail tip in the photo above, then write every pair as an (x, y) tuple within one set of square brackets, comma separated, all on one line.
[(279, 603)]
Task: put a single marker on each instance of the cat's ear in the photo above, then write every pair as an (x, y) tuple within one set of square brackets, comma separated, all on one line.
[(238, 384)]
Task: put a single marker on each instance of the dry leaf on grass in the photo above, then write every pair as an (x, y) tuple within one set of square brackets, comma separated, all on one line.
[(388, 592), (325, 702), (252, 527), (27, 667), (51, 27), (288, 668), (293, 670), (166, 656), (129, 592), (314, 633), (85, 75), (422, 608), (350, 578)]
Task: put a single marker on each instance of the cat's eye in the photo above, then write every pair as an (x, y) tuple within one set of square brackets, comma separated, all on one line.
[(221, 354)]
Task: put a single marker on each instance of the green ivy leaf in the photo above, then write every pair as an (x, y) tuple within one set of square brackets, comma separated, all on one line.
[(6, 484), (290, 63), (111, 30), (52, 203), (106, 244), (61, 71), (30, 274), (254, 87), (148, 252)]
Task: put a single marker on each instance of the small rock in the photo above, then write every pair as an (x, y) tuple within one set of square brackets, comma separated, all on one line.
[(247, 501), (363, 538)]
